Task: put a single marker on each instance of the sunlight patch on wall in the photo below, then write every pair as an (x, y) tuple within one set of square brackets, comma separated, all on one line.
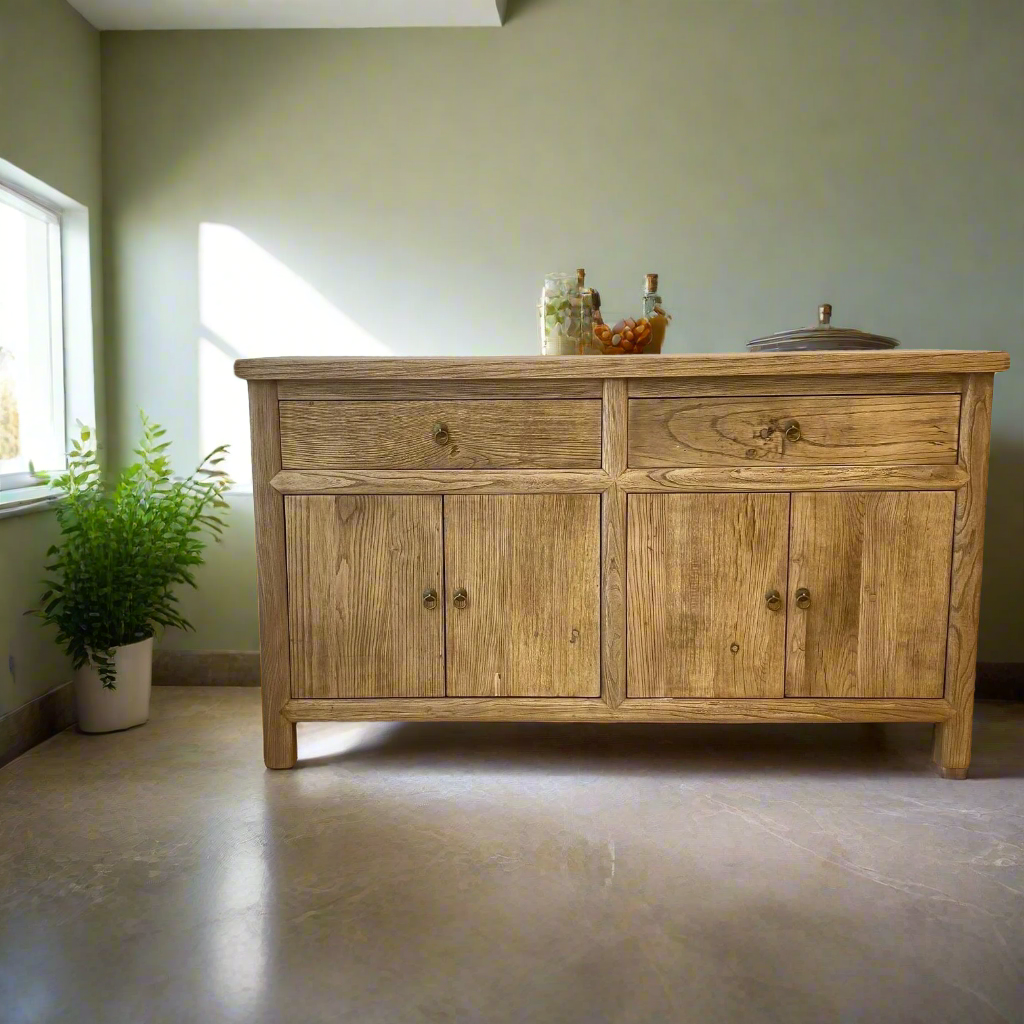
[(252, 305)]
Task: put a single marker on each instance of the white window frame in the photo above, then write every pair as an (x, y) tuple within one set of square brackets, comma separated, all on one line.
[(78, 380), (57, 413)]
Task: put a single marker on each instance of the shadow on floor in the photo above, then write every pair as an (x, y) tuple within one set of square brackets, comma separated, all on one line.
[(783, 749)]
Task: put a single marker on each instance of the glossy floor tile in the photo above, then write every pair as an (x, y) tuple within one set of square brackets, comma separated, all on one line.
[(510, 873)]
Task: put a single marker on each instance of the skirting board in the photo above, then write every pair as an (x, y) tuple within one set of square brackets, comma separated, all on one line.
[(206, 668), (996, 680), (1000, 680), (38, 720)]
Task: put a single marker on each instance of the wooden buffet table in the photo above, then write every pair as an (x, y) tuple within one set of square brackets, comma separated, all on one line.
[(718, 538)]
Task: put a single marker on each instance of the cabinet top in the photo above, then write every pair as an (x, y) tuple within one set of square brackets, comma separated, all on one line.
[(747, 364)]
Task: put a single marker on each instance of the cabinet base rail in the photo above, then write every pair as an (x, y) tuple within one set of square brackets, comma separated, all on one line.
[(577, 709)]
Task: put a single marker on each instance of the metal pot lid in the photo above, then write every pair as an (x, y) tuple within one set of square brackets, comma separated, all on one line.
[(821, 337)]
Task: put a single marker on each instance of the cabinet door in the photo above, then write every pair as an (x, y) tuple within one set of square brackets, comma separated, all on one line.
[(700, 569), (529, 568), (358, 570), (869, 594)]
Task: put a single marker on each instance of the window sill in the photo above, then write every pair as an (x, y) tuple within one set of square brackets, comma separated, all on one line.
[(25, 500)]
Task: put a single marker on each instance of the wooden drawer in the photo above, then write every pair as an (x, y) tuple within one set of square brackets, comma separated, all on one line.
[(554, 434), (794, 430)]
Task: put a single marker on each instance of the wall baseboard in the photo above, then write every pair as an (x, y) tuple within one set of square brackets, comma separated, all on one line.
[(206, 668), (38, 720), (1000, 680)]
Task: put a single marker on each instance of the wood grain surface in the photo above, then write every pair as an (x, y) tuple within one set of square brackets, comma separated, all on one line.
[(613, 546), (952, 748), (437, 390), (543, 434), (279, 750), (764, 386), (743, 364), (617, 523), (796, 478), (580, 709), (851, 430), (877, 568), (530, 564), (357, 570), (699, 569), (440, 481)]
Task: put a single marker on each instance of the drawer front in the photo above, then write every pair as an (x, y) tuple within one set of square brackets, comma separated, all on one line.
[(553, 434), (794, 430)]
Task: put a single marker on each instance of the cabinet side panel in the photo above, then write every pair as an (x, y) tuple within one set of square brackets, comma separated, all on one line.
[(952, 749), (279, 750)]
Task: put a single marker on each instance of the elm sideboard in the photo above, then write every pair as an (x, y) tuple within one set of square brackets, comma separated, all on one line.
[(715, 538)]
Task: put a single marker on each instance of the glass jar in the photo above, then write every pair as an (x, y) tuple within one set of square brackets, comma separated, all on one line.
[(562, 315)]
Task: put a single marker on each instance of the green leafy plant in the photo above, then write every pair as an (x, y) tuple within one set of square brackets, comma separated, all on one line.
[(125, 548)]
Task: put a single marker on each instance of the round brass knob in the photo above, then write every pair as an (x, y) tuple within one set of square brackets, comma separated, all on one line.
[(460, 598), (792, 431), (803, 598), (440, 433), (774, 600), (430, 599)]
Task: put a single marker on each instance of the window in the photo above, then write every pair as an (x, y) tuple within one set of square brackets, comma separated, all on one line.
[(32, 434)]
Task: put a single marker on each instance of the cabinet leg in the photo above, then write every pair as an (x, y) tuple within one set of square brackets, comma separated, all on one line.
[(279, 747), (951, 750)]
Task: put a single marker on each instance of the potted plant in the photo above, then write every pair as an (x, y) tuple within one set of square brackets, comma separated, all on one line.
[(123, 550)]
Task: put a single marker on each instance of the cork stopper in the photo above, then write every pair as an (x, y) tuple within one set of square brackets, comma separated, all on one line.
[(651, 284), (825, 313), (580, 275)]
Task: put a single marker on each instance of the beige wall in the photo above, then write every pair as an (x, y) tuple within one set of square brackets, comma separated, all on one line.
[(297, 192), (50, 128)]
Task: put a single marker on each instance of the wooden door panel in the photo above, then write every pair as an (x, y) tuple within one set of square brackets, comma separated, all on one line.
[(876, 566), (358, 566), (530, 566), (699, 568)]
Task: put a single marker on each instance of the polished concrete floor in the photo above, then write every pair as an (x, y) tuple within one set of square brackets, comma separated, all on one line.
[(510, 873)]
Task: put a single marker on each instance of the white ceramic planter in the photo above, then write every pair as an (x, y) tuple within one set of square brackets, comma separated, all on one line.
[(102, 710)]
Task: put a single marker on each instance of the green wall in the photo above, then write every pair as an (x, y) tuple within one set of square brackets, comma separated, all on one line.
[(49, 128), (406, 190)]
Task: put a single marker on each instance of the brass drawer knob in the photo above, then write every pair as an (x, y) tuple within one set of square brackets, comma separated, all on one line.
[(440, 433), (792, 431), (460, 598), (774, 600), (803, 598), (430, 599)]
